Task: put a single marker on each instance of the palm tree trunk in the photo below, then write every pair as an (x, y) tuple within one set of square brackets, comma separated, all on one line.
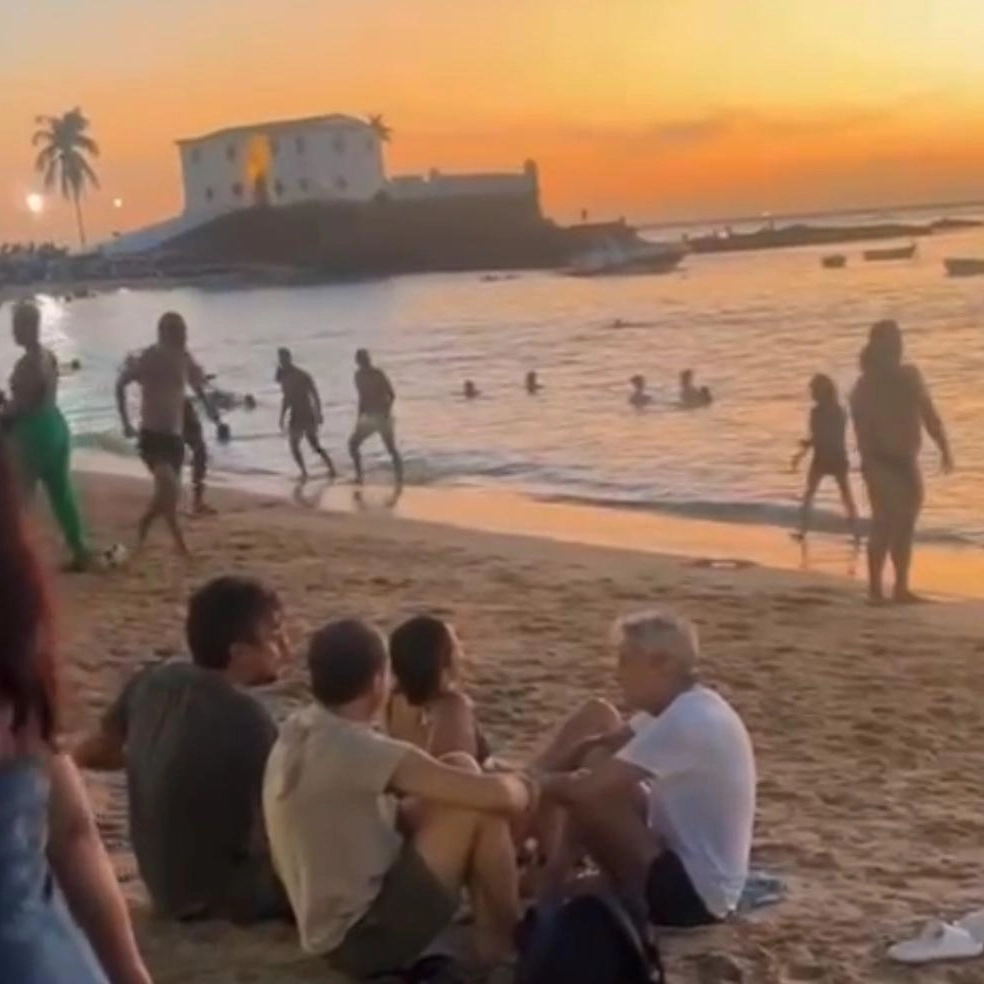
[(78, 219)]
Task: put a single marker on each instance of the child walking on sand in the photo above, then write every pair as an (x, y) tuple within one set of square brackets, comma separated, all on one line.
[(828, 441)]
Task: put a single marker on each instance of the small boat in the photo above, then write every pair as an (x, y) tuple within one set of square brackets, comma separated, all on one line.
[(626, 259), (891, 253), (836, 261), (964, 266)]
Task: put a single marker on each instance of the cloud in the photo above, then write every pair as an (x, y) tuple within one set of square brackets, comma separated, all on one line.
[(722, 123)]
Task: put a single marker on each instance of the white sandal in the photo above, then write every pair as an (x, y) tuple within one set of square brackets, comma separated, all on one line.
[(939, 941)]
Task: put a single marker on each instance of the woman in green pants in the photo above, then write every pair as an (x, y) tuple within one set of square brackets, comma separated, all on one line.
[(38, 433)]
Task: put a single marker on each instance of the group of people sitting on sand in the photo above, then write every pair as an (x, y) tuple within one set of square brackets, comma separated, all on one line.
[(369, 813)]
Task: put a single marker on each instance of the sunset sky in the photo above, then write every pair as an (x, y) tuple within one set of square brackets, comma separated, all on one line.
[(656, 109)]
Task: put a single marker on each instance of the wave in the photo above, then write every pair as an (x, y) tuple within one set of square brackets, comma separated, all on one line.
[(112, 442), (776, 514), (563, 485)]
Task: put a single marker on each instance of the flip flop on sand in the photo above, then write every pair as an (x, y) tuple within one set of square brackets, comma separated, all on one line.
[(937, 941)]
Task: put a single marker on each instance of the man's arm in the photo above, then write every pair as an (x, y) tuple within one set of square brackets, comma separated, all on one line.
[(606, 779), (25, 384), (103, 750), (932, 421), (390, 392), (197, 381), (315, 397), (609, 741), (128, 374), (421, 775)]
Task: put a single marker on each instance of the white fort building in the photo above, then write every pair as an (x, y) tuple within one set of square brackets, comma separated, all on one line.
[(333, 158), (336, 158)]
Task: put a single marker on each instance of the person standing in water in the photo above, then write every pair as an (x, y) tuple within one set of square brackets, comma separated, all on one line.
[(890, 407), (164, 371), (300, 411), (639, 398), (38, 431), (828, 441), (376, 399), (194, 438)]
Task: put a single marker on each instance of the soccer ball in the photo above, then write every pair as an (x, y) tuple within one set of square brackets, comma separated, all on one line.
[(115, 556)]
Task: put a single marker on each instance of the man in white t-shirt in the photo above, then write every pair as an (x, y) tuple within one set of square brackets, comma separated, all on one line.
[(683, 855)]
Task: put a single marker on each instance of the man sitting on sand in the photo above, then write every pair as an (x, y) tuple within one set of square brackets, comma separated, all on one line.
[(682, 859), (164, 372), (300, 411), (376, 399), (194, 745), (372, 887)]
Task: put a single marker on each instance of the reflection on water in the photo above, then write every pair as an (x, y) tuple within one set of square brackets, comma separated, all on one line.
[(754, 326)]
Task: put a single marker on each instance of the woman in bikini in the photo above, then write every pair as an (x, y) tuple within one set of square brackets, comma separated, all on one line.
[(890, 407), (428, 707)]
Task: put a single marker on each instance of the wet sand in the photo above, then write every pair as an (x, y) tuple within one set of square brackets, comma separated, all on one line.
[(868, 724)]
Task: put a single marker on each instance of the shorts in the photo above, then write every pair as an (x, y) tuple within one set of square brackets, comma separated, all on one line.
[(823, 465), (412, 909), (671, 899), (158, 449), (302, 425), (369, 424)]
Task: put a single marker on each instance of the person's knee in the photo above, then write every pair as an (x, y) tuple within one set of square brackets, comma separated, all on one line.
[(600, 715)]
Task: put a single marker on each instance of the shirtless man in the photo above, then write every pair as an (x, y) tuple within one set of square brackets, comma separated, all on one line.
[(376, 399), (890, 407), (164, 372), (302, 404)]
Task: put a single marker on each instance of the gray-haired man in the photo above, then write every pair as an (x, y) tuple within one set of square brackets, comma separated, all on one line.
[(682, 857)]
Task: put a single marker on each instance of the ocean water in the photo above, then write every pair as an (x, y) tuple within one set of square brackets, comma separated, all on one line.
[(754, 326)]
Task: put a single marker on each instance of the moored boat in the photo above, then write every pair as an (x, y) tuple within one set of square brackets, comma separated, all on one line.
[(966, 266), (626, 259), (890, 253)]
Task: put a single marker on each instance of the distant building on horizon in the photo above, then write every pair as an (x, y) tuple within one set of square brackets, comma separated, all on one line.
[(283, 162), (333, 158)]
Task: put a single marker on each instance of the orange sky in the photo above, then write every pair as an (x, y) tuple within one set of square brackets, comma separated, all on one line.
[(657, 109)]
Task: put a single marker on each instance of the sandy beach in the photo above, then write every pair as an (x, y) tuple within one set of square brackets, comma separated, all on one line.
[(867, 724)]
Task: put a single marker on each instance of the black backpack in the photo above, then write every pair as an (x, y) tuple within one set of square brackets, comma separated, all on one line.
[(589, 939)]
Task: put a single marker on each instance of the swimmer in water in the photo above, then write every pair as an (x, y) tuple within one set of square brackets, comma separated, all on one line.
[(470, 391), (533, 385), (639, 397), (828, 441), (300, 411), (691, 395)]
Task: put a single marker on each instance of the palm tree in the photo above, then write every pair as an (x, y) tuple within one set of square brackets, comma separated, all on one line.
[(380, 127), (64, 158)]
